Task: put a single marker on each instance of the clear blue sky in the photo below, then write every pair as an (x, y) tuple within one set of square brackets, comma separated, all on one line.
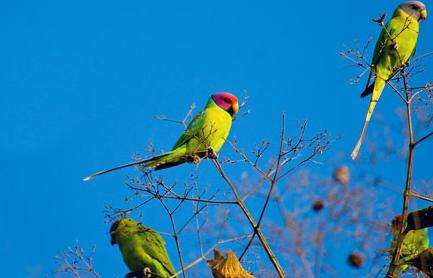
[(81, 81)]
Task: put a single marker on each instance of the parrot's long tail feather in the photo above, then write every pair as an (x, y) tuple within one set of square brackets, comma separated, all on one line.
[(379, 84), (359, 142), (145, 162), (92, 176)]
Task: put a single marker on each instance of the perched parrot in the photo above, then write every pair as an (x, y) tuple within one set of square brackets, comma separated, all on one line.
[(142, 248), (394, 48), (203, 137)]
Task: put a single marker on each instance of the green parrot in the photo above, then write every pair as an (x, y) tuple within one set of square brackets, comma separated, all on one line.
[(394, 48), (204, 136), (414, 243), (142, 248)]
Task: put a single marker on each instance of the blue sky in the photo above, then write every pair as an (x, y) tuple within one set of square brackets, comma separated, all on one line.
[(81, 82)]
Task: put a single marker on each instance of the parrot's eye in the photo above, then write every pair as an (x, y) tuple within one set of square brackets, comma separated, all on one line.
[(227, 100), (413, 6)]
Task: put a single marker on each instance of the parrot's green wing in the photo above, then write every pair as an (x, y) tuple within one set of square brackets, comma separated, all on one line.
[(193, 129), (385, 39), (154, 246), (383, 42), (399, 39)]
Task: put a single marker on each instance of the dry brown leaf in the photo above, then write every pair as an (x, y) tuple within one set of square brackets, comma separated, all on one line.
[(342, 175), (228, 267)]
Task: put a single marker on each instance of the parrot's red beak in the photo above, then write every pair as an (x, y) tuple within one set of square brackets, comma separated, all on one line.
[(235, 108)]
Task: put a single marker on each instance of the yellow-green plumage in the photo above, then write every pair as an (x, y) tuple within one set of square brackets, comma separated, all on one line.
[(209, 129), (204, 136), (141, 248), (395, 46)]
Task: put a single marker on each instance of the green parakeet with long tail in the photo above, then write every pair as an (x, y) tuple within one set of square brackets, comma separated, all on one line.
[(204, 136), (142, 248), (395, 46)]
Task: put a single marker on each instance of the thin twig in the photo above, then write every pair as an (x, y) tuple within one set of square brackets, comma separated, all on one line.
[(175, 236), (407, 192), (251, 220), (423, 138), (421, 197), (272, 185)]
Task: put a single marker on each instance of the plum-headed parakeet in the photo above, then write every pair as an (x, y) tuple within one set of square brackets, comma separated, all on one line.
[(394, 48), (142, 248), (204, 136)]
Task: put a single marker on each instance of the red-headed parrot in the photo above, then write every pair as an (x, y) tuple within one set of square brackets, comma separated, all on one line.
[(394, 48), (204, 136), (142, 248)]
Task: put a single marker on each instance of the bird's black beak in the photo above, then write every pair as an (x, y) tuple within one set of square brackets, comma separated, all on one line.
[(231, 112), (113, 241), (113, 229)]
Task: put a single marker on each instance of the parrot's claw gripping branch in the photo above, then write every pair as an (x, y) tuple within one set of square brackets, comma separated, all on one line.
[(197, 157), (210, 153), (193, 158), (147, 272)]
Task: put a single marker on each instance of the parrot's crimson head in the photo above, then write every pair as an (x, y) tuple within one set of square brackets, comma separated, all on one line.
[(415, 9), (119, 225), (226, 101)]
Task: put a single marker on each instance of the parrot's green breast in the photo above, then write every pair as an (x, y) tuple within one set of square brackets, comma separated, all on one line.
[(144, 249), (213, 132), (134, 255)]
